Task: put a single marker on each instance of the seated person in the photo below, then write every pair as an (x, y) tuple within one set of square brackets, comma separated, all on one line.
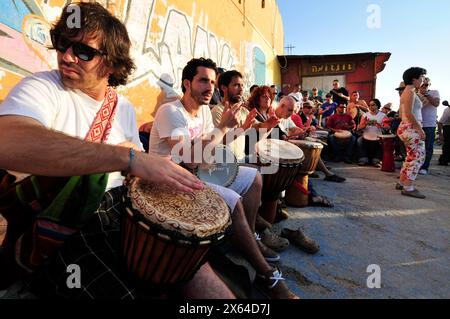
[(288, 130), (341, 122), (308, 117), (368, 144), (326, 109), (356, 107), (188, 122), (231, 85)]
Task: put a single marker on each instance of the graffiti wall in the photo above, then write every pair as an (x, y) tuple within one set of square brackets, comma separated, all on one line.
[(238, 34)]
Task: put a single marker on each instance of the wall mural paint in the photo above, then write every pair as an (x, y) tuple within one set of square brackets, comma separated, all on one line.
[(164, 38)]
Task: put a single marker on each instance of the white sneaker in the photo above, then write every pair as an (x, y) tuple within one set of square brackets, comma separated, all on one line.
[(423, 172)]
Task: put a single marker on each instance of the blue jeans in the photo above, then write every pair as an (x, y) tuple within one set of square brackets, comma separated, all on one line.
[(337, 149), (430, 133)]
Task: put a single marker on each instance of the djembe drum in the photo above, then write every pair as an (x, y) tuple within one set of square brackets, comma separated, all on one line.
[(342, 137), (166, 234), (285, 158), (387, 142), (297, 193)]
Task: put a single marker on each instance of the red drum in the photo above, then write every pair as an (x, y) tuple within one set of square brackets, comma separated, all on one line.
[(387, 142), (166, 234), (287, 159)]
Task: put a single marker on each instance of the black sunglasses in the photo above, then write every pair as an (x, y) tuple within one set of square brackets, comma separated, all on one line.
[(81, 50)]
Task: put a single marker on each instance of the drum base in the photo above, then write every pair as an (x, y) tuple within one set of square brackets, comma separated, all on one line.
[(388, 164), (297, 192), (268, 210)]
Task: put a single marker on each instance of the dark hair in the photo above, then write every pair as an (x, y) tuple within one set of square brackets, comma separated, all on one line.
[(304, 93), (114, 40), (355, 92), (336, 80), (377, 103), (253, 100), (190, 70), (254, 86), (413, 73), (328, 95), (226, 78)]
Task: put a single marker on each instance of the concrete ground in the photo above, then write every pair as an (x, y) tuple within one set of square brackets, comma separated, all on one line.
[(372, 223)]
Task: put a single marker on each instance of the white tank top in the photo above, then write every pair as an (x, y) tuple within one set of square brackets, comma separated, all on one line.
[(417, 108)]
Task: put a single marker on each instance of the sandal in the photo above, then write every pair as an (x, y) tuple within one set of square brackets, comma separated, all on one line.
[(334, 178), (321, 201)]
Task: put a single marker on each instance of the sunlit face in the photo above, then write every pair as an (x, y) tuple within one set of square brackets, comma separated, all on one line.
[(287, 108), (235, 90), (265, 101), (340, 109), (373, 107), (417, 83), (307, 109), (201, 88), (355, 96), (425, 85), (79, 74)]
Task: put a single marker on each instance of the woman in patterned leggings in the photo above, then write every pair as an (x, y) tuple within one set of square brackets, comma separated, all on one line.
[(410, 132)]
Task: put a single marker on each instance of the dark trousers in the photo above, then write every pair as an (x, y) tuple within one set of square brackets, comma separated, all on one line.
[(445, 157), (430, 133), (337, 149), (369, 149)]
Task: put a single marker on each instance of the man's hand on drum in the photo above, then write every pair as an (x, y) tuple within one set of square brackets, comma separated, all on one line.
[(161, 170), (229, 115)]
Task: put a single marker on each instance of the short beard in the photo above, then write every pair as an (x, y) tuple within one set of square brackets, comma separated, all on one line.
[(234, 99)]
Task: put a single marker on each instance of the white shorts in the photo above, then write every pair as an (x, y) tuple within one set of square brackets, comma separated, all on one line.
[(242, 183)]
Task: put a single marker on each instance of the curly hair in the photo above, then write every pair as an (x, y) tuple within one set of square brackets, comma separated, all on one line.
[(253, 100), (113, 35), (190, 70)]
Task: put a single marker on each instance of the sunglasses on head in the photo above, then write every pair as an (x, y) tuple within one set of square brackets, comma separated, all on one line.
[(81, 50)]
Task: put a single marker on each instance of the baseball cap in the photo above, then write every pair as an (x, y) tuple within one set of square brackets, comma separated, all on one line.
[(401, 86)]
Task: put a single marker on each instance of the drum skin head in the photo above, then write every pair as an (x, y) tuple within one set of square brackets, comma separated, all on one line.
[(277, 151), (222, 171), (200, 214)]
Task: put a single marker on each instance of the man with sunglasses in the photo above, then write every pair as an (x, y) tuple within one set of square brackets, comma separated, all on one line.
[(430, 100), (50, 124)]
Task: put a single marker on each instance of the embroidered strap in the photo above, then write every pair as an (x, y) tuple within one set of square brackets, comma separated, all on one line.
[(102, 124)]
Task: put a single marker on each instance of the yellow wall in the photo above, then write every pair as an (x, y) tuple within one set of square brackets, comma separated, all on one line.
[(165, 35)]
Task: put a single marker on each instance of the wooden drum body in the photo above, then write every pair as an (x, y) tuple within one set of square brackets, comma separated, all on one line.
[(297, 192), (166, 234), (287, 159)]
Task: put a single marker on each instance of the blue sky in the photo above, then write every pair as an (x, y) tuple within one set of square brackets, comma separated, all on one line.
[(417, 33)]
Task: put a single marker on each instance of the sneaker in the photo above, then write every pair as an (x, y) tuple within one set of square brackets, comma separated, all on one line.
[(269, 255), (423, 172), (376, 163), (273, 285), (299, 239), (273, 241), (398, 186), (363, 162), (414, 193)]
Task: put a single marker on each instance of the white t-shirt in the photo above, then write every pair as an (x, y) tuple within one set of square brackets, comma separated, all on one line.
[(44, 98), (429, 111), (238, 145), (172, 120), (378, 118), (286, 124)]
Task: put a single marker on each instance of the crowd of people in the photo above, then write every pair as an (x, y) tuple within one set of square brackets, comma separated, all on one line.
[(71, 122)]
